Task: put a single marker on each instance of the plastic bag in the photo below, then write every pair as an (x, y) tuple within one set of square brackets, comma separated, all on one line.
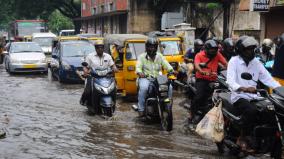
[(212, 125)]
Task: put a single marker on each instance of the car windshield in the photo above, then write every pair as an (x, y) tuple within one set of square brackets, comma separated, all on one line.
[(44, 41), (25, 47), (134, 50), (77, 49), (169, 48)]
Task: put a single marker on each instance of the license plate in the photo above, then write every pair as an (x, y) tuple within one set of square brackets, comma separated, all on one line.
[(30, 66)]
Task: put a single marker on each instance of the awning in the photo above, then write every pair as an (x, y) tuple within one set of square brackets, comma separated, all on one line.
[(107, 14)]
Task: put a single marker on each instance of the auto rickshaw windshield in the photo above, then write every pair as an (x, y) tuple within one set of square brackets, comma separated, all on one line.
[(134, 50), (169, 48)]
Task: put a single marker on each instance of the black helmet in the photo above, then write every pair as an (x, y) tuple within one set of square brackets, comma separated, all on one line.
[(228, 43), (151, 46), (211, 48), (239, 42), (228, 48), (247, 48), (198, 44), (151, 41), (281, 40)]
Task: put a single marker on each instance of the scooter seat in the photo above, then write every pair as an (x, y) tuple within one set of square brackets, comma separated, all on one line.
[(228, 107)]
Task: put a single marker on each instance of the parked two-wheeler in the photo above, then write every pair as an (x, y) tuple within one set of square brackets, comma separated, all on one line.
[(158, 103), (103, 91), (267, 133)]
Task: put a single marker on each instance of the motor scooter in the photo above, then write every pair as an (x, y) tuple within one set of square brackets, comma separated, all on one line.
[(102, 91)]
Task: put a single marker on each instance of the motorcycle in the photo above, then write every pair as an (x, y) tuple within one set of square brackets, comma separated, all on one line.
[(267, 133), (158, 103), (102, 91)]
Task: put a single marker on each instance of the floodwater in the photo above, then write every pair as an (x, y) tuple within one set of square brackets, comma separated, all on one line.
[(43, 119)]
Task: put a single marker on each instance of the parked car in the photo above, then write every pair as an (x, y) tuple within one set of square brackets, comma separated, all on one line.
[(25, 57), (67, 58)]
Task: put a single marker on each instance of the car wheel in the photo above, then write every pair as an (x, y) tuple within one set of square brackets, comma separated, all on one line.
[(8, 68), (60, 79)]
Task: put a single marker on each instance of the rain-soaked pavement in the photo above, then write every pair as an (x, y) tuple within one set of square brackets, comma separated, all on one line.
[(43, 119)]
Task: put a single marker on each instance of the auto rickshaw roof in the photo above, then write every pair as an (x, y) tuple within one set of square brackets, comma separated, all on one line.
[(119, 39), (64, 38), (89, 35)]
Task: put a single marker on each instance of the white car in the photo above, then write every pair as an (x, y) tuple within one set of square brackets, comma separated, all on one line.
[(44, 40), (25, 57)]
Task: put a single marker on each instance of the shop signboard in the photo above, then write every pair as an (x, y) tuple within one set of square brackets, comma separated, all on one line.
[(259, 5), (279, 2)]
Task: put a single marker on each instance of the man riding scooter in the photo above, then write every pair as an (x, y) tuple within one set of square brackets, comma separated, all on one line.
[(244, 91), (206, 64), (96, 60), (149, 64)]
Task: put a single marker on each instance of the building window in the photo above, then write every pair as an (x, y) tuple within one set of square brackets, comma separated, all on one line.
[(102, 8), (110, 6), (84, 6)]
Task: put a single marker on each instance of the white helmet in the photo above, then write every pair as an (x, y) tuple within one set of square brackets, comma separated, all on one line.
[(267, 43)]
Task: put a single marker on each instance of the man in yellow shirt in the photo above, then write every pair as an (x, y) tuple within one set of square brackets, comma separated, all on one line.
[(149, 64)]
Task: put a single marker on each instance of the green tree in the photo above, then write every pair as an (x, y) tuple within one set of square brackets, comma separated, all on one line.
[(57, 22), (42, 9), (6, 13)]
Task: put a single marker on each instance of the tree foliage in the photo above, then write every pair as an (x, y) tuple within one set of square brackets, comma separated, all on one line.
[(57, 22), (6, 13)]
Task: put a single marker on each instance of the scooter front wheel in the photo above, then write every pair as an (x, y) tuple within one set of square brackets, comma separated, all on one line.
[(167, 119), (108, 111)]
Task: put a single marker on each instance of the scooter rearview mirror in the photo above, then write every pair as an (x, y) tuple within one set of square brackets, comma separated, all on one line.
[(246, 76)]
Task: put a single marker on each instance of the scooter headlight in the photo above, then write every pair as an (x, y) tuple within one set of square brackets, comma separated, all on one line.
[(104, 90), (270, 107)]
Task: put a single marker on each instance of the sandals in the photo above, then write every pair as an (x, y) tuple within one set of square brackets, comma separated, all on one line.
[(242, 143)]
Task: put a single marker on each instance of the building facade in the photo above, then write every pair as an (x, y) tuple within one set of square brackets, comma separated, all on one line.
[(117, 16)]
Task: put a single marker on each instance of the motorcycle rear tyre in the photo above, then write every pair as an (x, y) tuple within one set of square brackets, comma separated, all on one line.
[(277, 150)]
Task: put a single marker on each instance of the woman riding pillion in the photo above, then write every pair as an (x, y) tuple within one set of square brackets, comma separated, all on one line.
[(149, 64)]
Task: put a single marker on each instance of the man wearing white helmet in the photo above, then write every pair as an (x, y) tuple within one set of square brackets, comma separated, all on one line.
[(264, 53), (243, 91)]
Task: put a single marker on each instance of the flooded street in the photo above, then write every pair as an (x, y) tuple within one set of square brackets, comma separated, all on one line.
[(43, 119)]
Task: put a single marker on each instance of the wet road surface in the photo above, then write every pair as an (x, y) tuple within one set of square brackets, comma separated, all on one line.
[(43, 119)]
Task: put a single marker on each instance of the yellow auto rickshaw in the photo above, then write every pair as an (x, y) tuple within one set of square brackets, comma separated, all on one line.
[(91, 37), (125, 49), (27, 38), (68, 38), (171, 48)]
